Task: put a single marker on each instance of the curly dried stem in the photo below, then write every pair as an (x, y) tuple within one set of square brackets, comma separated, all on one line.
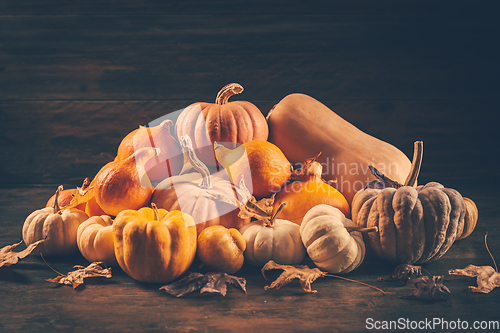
[(273, 218), (489, 252), (187, 149), (418, 153), (228, 91)]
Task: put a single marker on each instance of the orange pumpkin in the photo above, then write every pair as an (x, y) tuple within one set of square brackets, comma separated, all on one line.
[(263, 166), (311, 190), (121, 185), (224, 122), (169, 161)]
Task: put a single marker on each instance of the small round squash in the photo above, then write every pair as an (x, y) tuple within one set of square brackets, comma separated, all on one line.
[(329, 244), (221, 249), (95, 240), (273, 239), (57, 227)]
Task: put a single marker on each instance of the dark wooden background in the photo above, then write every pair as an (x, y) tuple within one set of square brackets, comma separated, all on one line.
[(77, 76)]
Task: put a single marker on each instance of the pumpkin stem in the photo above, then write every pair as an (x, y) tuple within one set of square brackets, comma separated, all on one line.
[(156, 212), (187, 149), (362, 230), (55, 206), (280, 208), (228, 91), (418, 152)]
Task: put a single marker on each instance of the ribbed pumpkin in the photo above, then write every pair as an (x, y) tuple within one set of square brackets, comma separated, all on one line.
[(222, 121), (199, 194), (416, 224), (167, 163), (57, 227), (153, 245), (270, 238), (331, 240), (308, 191)]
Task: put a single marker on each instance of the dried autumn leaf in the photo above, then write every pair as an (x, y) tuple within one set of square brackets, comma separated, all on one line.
[(305, 274), (8, 257), (212, 282), (404, 272), (382, 180), (83, 195), (487, 278), (430, 288), (249, 206), (76, 278)]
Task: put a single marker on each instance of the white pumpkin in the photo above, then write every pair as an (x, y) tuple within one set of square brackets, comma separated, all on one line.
[(95, 240), (58, 228), (328, 242), (273, 239)]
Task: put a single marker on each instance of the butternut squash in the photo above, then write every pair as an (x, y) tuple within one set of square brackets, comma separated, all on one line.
[(302, 127)]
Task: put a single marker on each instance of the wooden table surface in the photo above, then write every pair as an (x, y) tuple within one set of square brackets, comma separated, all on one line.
[(76, 77)]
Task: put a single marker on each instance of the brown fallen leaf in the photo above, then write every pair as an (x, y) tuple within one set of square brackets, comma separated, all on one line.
[(211, 282), (305, 274), (8, 257), (487, 278), (76, 278)]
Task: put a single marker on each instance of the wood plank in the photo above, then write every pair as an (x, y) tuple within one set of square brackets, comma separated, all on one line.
[(105, 57), (121, 304), (62, 142)]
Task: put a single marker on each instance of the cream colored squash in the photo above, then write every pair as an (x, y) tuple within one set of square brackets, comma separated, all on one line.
[(95, 240), (330, 245), (273, 239)]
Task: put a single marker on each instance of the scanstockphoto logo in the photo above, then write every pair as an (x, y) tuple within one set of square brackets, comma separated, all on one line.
[(431, 324)]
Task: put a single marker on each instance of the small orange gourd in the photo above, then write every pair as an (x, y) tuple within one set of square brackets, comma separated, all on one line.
[(262, 165), (124, 184), (309, 191)]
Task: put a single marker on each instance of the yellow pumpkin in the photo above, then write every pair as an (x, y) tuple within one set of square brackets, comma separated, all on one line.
[(329, 242), (95, 240), (154, 245), (57, 227)]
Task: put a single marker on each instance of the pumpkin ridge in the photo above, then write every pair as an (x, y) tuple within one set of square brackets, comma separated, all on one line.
[(387, 228)]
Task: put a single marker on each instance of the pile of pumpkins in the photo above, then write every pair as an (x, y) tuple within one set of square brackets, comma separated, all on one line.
[(230, 186)]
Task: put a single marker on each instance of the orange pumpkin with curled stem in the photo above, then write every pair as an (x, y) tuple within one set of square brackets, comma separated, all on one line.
[(225, 122), (309, 191)]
